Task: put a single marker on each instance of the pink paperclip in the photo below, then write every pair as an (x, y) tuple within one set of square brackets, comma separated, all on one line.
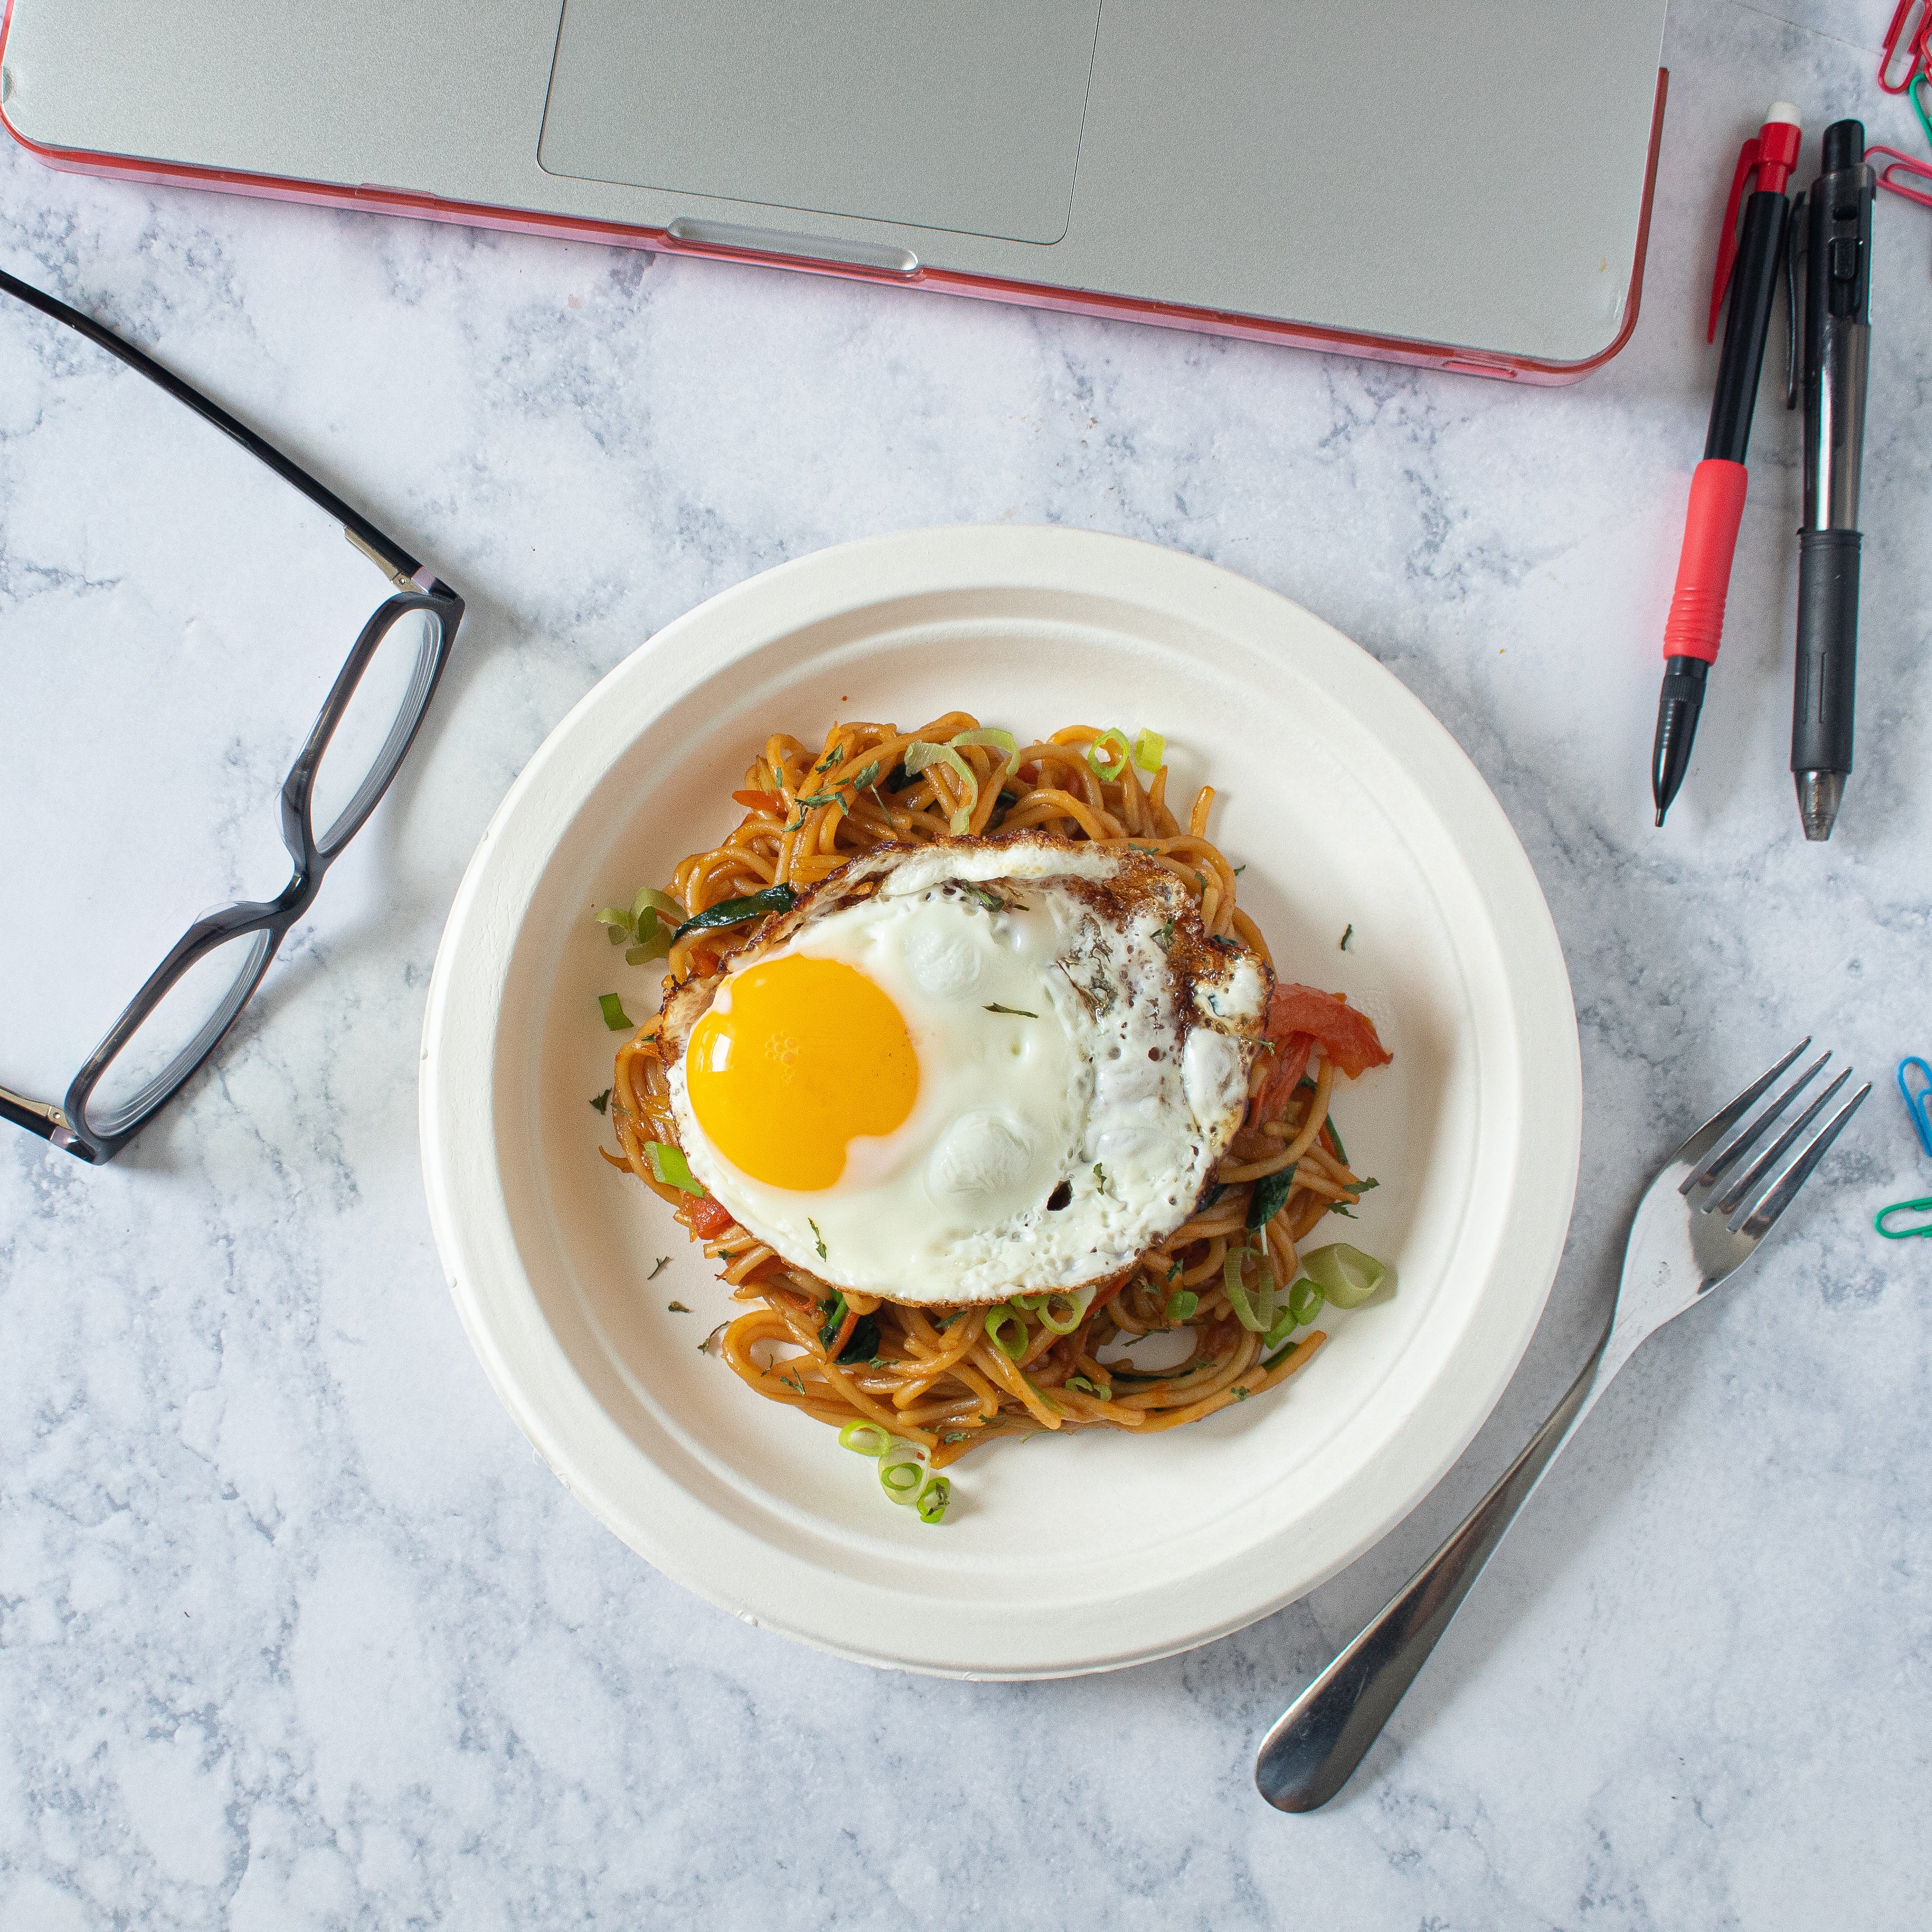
[(1912, 165), (1913, 43)]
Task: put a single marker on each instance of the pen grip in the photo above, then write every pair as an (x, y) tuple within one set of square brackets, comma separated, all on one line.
[(1828, 650), (1695, 624)]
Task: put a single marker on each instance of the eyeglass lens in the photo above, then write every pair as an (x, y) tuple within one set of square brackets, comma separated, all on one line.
[(368, 741), (186, 1021)]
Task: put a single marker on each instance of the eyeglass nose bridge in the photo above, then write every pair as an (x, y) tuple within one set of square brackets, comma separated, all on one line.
[(299, 834)]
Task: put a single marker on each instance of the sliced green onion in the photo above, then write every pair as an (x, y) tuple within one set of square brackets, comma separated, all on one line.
[(1181, 1304), (1104, 1393), (1283, 1326), (1110, 768), (1346, 1276), (934, 1498), (735, 912), (1237, 1293), (1074, 1303), (921, 754), (900, 1479), (670, 1166), (653, 941), (1270, 1196), (866, 1438), (1264, 1294), (1150, 750), (615, 1017), (617, 923), (1000, 741), (651, 900), (1003, 1314), (1304, 1303)]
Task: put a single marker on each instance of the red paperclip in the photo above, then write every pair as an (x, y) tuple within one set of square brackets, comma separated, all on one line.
[(1911, 165), (1914, 43)]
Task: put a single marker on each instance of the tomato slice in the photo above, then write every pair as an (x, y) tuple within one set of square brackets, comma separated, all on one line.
[(710, 1218), (1346, 1037), (1284, 1075)]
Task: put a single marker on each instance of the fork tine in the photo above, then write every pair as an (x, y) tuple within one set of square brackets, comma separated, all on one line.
[(1718, 1158), (1747, 1184), (1714, 1130), (1734, 1149), (1782, 1191)]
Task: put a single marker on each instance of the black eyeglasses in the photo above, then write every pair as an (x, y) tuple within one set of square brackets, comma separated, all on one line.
[(366, 728)]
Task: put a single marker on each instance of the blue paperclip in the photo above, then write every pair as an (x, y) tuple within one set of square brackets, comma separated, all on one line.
[(1884, 1214), (1919, 1101)]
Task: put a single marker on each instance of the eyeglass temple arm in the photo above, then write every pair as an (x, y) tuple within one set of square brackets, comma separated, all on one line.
[(41, 1118), (385, 551)]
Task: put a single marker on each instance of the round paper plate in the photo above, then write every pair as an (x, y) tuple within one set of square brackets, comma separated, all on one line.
[(1350, 807)]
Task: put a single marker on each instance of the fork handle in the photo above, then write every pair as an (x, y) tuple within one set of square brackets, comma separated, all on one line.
[(1327, 1730)]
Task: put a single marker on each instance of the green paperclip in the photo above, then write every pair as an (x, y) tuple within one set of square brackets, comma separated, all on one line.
[(1920, 79), (1884, 1214)]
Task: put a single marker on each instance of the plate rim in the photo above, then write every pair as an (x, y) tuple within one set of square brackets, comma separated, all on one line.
[(527, 1364)]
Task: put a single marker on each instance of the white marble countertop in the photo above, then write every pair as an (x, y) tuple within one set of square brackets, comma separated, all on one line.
[(295, 1631)]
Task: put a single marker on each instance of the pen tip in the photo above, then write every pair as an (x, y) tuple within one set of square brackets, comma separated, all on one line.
[(1660, 814), (1820, 794)]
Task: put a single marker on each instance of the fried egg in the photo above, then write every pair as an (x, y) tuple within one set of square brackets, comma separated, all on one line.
[(956, 1071)]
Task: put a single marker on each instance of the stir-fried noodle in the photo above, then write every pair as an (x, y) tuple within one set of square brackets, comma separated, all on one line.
[(950, 1378)]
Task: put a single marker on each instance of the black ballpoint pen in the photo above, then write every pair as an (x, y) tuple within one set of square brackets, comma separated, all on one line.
[(1831, 284), (1748, 265)]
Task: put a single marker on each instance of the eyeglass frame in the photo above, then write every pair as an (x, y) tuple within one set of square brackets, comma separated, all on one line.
[(419, 589)]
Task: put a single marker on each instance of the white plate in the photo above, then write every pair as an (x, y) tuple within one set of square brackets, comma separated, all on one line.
[(1350, 805)]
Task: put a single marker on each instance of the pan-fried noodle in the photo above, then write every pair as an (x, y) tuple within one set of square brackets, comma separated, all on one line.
[(950, 1379)]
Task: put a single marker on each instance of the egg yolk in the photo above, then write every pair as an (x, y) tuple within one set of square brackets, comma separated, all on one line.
[(809, 1055)]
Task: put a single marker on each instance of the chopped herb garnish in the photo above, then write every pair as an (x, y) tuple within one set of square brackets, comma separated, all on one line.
[(1271, 1196), (1018, 1012), (1363, 1186), (1174, 1273), (664, 1262), (1341, 1152), (676, 1308), (1099, 1177), (991, 901), (818, 1240), (1238, 870), (1164, 938), (602, 1101), (1347, 935), (1241, 1395), (1347, 1213), (956, 1435)]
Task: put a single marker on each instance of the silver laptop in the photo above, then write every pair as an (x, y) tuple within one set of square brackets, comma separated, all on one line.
[(1460, 182)]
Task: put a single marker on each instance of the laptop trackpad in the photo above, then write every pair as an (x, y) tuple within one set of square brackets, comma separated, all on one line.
[(924, 111)]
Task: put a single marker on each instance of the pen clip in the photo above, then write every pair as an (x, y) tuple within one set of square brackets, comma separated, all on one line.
[(1797, 244), (1749, 156), (1770, 154)]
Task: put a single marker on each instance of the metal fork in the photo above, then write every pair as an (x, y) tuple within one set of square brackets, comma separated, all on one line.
[(1701, 1220)]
